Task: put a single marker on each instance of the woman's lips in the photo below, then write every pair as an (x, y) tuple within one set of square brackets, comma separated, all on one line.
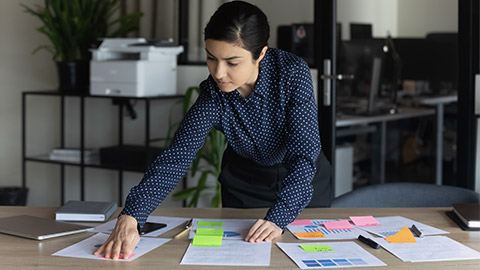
[(222, 83)]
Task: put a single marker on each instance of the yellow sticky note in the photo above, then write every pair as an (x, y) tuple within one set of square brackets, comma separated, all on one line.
[(403, 236), (310, 234), (207, 241), (316, 248)]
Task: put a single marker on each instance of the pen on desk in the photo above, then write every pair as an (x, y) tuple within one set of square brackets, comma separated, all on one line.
[(416, 231), (369, 242), (188, 227)]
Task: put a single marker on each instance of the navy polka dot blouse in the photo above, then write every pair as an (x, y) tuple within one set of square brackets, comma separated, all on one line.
[(276, 123)]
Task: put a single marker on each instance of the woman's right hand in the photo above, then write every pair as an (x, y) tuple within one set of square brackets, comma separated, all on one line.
[(123, 239)]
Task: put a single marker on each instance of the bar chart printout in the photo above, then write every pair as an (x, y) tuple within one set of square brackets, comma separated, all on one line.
[(329, 255)]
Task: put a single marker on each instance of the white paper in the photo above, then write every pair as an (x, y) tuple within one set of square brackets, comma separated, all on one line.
[(392, 225), (85, 248), (345, 254), (232, 228), (171, 223), (430, 249), (232, 252), (329, 234)]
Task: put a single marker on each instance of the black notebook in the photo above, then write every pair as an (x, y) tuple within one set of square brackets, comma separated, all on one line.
[(86, 211), (469, 213)]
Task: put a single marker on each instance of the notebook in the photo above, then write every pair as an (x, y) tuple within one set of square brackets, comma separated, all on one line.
[(38, 228), (469, 213), (85, 211)]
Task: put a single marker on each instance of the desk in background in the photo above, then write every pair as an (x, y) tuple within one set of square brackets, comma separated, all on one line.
[(381, 120), (20, 253)]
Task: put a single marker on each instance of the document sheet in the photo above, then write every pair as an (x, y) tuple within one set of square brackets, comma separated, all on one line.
[(329, 255), (85, 248), (233, 228), (315, 230), (171, 223), (392, 225), (230, 253), (430, 249)]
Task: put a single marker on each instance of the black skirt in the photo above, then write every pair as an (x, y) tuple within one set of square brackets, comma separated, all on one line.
[(245, 184)]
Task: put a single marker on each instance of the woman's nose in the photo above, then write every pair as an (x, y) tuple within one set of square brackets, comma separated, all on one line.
[(220, 71)]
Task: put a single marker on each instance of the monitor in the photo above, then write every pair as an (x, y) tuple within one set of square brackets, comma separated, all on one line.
[(360, 31)]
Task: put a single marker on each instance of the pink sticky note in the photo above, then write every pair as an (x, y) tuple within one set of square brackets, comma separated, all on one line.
[(338, 225), (301, 222), (364, 221)]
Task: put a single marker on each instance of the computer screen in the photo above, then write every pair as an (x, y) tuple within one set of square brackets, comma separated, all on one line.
[(356, 57)]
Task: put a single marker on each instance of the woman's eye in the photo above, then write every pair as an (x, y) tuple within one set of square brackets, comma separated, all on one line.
[(210, 58), (232, 64)]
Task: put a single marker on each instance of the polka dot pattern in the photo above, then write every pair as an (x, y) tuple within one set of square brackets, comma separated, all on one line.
[(276, 123)]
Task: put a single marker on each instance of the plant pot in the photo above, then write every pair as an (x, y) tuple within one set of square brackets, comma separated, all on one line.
[(13, 196), (74, 76)]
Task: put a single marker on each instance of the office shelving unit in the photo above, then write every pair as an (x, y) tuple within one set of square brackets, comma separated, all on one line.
[(121, 101)]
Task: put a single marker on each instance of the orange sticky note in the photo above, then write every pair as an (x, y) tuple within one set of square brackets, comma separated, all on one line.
[(403, 236), (310, 234)]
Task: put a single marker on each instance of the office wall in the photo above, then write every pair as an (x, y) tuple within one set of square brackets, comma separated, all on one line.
[(418, 17), (381, 13), (402, 18), (20, 71)]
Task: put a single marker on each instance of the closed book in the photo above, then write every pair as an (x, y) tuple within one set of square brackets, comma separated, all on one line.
[(469, 213), (85, 211)]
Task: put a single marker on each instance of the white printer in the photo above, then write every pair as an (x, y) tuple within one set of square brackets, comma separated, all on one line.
[(134, 67)]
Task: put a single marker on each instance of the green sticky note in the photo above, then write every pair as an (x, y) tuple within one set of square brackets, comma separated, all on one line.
[(209, 223), (316, 248), (209, 231), (207, 241)]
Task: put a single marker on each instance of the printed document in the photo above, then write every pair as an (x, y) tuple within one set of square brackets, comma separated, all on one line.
[(230, 253), (392, 225), (317, 231), (84, 249), (329, 255), (430, 249)]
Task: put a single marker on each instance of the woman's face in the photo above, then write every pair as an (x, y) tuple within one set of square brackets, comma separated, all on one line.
[(232, 66)]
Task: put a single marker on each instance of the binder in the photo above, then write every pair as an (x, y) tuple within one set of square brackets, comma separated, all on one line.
[(85, 211)]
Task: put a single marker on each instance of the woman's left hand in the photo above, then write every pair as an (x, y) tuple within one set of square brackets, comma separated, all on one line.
[(263, 230)]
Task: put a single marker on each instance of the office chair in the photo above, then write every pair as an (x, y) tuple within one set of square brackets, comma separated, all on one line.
[(405, 195)]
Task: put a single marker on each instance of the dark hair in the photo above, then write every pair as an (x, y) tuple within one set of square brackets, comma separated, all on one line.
[(240, 23)]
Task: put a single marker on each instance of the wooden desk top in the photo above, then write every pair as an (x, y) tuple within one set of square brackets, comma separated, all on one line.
[(21, 253)]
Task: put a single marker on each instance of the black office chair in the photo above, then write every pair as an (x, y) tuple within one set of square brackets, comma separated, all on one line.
[(405, 195)]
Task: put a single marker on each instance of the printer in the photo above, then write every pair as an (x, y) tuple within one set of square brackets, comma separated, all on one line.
[(134, 67)]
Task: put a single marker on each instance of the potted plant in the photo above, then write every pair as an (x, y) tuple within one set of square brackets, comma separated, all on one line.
[(207, 163), (73, 28)]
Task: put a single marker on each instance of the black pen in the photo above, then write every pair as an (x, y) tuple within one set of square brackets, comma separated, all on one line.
[(369, 242)]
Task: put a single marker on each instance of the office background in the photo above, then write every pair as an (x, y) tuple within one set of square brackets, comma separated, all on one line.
[(21, 71)]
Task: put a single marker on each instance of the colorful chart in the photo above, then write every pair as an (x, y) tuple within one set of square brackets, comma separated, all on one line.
[(334, 262)]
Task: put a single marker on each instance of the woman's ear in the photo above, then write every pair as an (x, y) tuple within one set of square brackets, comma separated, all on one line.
[(262, 53)]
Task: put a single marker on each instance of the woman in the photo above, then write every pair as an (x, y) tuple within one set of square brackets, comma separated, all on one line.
[(262, 100)]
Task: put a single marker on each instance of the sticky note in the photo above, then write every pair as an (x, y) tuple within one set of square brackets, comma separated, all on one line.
[(403, 236), (209, 231), (209, 223), (338, 225), (310, 234), (207, 241), (316, 248), (364, 221), (301, 222)]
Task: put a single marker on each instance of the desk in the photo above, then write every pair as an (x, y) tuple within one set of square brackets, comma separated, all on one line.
[(20, 253), (404, 113)]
